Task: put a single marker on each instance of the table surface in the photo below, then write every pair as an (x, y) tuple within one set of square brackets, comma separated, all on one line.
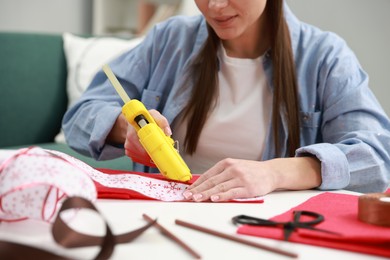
[(124, 216)]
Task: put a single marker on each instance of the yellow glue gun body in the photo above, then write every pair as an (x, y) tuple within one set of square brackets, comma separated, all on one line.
[(159, 146)]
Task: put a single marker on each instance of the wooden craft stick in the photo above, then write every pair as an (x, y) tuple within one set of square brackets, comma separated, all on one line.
[(234, 238), (170, 235)]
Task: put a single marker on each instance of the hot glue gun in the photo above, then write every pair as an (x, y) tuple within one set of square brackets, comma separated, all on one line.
[(159, 146)]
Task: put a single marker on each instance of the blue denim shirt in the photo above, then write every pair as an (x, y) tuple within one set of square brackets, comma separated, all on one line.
[(342, 123)]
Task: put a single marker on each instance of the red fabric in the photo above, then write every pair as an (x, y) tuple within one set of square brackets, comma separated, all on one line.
[(142, 160), (340, 213), (118, 193)]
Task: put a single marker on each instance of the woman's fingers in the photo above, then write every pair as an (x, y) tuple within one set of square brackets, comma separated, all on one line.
[(213, 171), (133, 147), (222, 191), (161, 121), (213, 180), (231, 179), (135, 150)]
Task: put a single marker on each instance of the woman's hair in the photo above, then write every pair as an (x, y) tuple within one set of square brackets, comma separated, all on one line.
[(285, 96)]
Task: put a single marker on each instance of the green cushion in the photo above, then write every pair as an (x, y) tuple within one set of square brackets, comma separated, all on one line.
[(33, 88), (33, 95), (123, 163)]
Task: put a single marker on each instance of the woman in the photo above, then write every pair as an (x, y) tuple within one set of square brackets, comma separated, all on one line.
[(258, 100)]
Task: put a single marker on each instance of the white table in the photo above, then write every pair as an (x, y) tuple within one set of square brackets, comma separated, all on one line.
[(124, 216)]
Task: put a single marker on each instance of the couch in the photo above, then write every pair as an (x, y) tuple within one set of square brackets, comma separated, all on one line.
[(33, 99)]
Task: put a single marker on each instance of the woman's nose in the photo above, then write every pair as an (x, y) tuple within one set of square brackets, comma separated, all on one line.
[(218, 3)]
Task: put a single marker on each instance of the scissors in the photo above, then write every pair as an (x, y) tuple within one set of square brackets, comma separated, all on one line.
[(288, 227)]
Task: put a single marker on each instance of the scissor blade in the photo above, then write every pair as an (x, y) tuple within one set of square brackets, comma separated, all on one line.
[(287, 231)]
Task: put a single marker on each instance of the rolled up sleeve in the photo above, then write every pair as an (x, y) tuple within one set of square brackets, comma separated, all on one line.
[(334, 165)]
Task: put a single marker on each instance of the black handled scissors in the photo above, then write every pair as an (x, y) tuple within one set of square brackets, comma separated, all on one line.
[(288, 227)]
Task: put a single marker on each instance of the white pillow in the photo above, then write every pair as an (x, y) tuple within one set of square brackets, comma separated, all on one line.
[(85, 57)]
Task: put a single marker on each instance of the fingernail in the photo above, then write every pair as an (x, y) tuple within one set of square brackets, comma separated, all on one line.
[(197, 196), (187, 194), (168, 131), (214, 198)]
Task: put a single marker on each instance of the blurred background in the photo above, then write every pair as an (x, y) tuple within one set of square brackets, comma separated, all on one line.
[(364, 24)]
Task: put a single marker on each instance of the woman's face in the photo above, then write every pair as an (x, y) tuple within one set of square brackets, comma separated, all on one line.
[(232, 19)]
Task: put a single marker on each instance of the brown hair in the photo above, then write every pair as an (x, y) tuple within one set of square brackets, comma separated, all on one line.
[(285, 96)]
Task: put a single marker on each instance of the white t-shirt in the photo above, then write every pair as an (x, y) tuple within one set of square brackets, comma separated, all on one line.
[(238, 125)]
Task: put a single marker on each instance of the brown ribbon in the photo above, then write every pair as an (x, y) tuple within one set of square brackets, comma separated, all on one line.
[(70, 238), (374, 208)]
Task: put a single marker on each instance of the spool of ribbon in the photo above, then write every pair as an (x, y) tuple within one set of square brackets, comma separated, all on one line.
[(374, 208)]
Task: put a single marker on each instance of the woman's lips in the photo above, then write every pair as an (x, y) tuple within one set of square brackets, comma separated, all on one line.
[(224, 20)]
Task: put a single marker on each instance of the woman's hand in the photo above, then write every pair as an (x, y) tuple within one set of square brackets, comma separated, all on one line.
[(238, 179), (133, 147), (232, 179)]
